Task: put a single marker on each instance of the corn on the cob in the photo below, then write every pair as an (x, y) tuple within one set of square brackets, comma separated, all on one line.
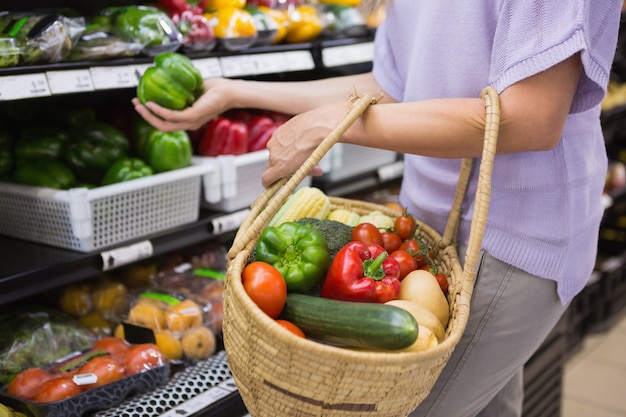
[(344, 216), (305, 202)]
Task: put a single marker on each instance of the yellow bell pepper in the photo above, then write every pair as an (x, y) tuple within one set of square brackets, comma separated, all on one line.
[(349, 3), (220, 4), (304, 25), (281, 18), (231, 22)]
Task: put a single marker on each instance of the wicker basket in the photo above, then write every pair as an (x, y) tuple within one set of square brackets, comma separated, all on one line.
[(279, 374)]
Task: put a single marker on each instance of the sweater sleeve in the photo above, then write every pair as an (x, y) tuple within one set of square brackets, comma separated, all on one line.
[(534, 35)]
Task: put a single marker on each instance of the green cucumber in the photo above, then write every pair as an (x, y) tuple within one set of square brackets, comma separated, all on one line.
[(351, 324)]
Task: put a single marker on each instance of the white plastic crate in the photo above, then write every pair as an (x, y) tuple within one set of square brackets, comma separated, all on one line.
[(84, 219), (241, 179), (345, 160)]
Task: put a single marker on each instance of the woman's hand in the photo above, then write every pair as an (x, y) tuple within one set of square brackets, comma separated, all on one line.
[(295, 140), (216, 99)]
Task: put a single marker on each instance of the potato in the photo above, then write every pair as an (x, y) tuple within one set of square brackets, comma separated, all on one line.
[(423, 316), (422, 287)]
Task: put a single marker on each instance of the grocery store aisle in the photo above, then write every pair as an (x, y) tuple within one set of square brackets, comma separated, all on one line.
[(594, 383)]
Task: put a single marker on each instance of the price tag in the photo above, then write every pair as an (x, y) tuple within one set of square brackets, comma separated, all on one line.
[(15, 87), (208, 67), (138, 71), (391, 171), (126, 255), (237, 65), (70, 81), (270, 63), (348, 54), (299, 61), (105, 78), (203, 400), (228, 222)]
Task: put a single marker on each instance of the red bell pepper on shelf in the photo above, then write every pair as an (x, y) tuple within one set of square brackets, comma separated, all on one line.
[(179, 6), (361, 272), (260, 130), (223, 136)]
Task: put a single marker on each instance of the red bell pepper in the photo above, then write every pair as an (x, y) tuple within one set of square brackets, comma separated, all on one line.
[(361, 272), (223, 136), (260, 130)]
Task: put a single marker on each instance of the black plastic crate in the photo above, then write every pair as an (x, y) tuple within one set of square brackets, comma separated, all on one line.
[(613, 290)]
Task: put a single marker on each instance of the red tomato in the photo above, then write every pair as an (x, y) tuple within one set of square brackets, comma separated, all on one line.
[(26, 384), (416, 249), (406, 261), (265, 285), (368, 234), (391, 241), (106, 369), (143, 357), (404, 226), (443, 282), (115, 346), (290, 327), (57, 389)]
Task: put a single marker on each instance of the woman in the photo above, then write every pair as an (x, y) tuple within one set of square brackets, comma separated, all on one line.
[(549, 60)]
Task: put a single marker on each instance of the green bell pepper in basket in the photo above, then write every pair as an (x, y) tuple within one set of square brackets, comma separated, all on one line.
[(96, 147), (172, 82), (166, 151), (45, 173), (40, 142), (125, 170), (298, 252)]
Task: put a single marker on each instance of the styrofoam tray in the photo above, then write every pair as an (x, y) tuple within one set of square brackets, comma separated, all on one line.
[(87, 219)]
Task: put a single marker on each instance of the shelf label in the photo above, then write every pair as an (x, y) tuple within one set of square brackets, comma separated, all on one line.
[(70, 81), (270, 63), (299, 61), (237, 65), (348, 54), (14, 87), (208, 67), (138, 70), (105, 78), (202, 400), (228, 222), (126, 255)]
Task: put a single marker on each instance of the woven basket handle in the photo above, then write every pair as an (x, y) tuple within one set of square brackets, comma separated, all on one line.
[(273, 197), (483, 192)]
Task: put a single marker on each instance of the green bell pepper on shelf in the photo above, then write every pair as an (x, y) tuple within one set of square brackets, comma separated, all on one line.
[(298, 252), (166, 151), (45, 173), (172, 82), (95, 148), (6, 154), (126, 169), (145, 25), (141, 131), (40, 142)]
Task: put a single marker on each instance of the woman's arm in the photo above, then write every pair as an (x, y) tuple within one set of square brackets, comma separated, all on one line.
[(533, 113), (221, 94)]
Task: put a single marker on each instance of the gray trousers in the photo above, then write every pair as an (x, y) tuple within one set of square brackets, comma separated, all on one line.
[(511, 314)]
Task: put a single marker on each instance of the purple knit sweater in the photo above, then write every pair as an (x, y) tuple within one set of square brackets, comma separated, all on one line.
[(545, 206)]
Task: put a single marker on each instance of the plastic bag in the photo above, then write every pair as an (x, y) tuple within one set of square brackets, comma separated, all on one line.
[(99, 42), (41, 38)]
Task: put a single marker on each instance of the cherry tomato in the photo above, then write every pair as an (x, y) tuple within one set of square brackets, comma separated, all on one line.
[(265, 285), (367, 233), (115, 346), (105, 368), (391, 241), (406, 261), (57, 389), (404, 226), (143, 357), (443, 282), (411, 245), (26, 384), (290, 327)]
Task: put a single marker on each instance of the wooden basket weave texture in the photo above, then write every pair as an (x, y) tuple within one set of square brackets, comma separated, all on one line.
[(279, 374)]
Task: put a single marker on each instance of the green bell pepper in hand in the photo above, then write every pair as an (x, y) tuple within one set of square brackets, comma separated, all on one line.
[(298, 252), (173, 82), (45, 173), (126, 169), (166, 151)]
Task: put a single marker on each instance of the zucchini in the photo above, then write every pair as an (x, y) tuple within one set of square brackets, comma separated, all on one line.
[(351, 324)]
